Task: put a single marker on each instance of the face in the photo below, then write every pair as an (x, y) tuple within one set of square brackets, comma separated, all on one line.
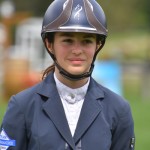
[(74, 51)]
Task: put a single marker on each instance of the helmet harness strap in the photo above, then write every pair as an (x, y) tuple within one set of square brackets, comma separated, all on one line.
[(70, 76)]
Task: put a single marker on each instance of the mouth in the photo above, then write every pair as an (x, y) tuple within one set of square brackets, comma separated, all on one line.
[(76, 61)]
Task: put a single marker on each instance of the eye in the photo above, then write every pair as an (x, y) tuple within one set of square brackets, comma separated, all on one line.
[(87, 41), (70, 41)]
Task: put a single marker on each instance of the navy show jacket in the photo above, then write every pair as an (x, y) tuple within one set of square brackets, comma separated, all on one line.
[(36, 120)]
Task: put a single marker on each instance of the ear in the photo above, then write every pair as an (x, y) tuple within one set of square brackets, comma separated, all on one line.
[(48, 45), (98, 45)]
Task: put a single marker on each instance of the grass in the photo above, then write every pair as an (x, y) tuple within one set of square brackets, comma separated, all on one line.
[(141, 114), (141, 111), (3, 105)]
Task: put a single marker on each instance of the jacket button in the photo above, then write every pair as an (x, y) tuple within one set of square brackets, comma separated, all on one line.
[(66, 146)]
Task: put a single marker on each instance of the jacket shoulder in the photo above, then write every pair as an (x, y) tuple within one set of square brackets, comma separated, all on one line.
[(113, 101), (29, 92), (26, 97)]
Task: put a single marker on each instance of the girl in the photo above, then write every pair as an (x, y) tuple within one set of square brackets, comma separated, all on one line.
[(69, 110)]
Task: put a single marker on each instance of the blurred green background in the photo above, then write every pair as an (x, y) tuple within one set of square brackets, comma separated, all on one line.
[(128, 43)]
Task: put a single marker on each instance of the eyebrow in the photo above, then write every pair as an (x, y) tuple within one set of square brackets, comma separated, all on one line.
[(66, 34), (71, 35), (90, 36)]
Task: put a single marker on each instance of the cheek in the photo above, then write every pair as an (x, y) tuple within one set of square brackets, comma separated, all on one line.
[(60, 53), (90, 52), (58, 50)]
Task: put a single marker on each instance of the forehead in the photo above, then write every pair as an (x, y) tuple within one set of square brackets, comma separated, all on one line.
[(74, 34)]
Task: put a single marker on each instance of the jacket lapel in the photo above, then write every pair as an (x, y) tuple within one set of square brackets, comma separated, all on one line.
[(54, 109), (90, 110)]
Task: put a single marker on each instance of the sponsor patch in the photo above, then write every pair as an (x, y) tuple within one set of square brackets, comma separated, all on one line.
[(5, 141)]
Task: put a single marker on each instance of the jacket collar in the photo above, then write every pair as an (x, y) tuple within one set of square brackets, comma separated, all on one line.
[(49, 85), (54, 108)]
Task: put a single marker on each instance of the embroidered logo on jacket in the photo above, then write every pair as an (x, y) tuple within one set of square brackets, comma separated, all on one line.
[(132, 143), (5, 141)]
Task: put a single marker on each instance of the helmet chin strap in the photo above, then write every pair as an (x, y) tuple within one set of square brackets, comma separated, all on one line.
[(73, 77)]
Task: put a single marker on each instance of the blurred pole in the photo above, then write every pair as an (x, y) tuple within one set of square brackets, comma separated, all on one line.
[(146, 74), (7, 10), (9, 19)]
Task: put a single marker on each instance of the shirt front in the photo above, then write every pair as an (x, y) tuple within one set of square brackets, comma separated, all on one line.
[(72, 100)]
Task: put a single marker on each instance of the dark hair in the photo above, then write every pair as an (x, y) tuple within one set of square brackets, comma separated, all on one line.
[(50, 37), (48, 70)]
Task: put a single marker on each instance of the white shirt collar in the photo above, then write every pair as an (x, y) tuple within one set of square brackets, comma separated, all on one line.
[(69, 94)]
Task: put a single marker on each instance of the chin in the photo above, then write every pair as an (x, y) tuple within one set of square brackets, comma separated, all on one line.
[(77, 71)]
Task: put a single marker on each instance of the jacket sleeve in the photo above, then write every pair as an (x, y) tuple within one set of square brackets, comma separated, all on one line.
[(123, 135), (13, 127)]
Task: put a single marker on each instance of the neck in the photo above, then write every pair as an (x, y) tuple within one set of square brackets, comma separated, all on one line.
[(70, 83)]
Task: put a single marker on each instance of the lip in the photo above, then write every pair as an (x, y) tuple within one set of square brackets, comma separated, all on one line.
[(76, 61)]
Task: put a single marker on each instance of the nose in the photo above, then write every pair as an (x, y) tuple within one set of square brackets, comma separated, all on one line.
[(77, 48)]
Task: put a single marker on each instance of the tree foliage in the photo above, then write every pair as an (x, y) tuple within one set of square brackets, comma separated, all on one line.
[(121, 14), (36, 7)]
